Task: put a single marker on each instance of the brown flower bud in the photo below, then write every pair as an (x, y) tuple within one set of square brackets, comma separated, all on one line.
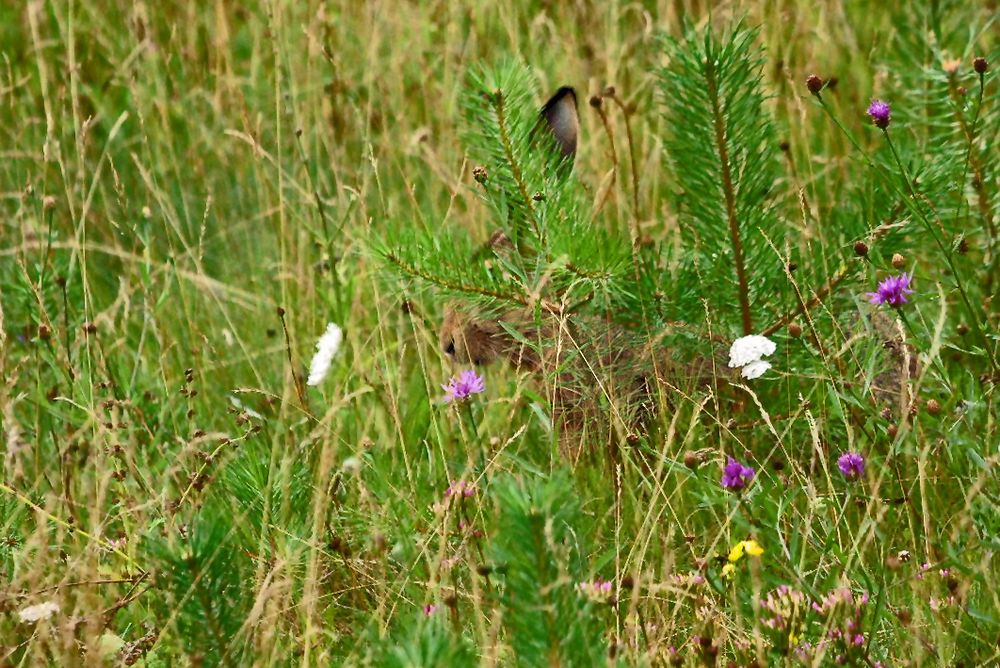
[(814, 84), (692, 459), (962, 329), (861, 249), (898, 261), (596, 101), (44, 332), (892, 431), (980, 65), (795, 330), (479, 174), (933, 407)]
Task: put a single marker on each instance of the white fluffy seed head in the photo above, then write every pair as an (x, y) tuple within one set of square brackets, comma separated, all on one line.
[(34, 613), (326, 348)]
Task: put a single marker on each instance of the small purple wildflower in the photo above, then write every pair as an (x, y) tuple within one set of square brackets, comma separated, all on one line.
[(852, 465), (465, 385), (880, 112), (430, 609), (892, 290), (736, 475)]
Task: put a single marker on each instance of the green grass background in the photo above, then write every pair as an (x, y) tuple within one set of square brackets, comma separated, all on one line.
[(174, 175)]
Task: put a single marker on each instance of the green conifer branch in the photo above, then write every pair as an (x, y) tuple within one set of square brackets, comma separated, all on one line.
[(727, 188)]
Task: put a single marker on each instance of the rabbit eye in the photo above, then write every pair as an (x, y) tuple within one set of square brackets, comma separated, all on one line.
[(450, 348)]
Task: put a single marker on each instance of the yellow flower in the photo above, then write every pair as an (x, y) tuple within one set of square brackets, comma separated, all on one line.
[(728, 571), (751, 547)]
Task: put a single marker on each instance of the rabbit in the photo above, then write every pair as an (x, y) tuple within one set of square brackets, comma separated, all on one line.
[(601, 376)]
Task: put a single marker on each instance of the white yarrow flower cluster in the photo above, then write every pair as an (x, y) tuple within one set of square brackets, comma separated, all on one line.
[(326, 348), (747, 354), (33, 613)]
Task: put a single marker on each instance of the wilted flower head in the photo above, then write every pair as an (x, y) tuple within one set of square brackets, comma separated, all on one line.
[(463, 386), (326, 348), (892, 290), (736, 475), (34, 613), (879, 111), (851, 464), (747, 352)]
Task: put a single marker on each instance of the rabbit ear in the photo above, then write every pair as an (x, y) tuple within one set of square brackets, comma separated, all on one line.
[(560, 115)]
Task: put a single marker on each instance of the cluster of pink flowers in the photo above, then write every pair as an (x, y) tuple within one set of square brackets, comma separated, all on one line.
[(460, 488), (597, 590)]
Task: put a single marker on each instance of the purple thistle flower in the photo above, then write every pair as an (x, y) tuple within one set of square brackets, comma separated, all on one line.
[(880, 111), (465, 385), (892, 290), (852, 465), (736, 475)]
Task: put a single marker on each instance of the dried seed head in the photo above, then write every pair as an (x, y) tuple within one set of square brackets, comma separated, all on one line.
[(892, 430), (794, 330), (479, 174), (933, 407), (861, 249), (898, 261), (962, 329), (814, 84), (692, 459), (44, 332), (980, 65)]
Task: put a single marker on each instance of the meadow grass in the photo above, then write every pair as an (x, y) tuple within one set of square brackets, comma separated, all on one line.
[(191, 192)]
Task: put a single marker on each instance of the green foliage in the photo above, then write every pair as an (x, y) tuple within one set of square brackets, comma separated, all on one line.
[(721, 145), (539, 549), (559, 252), (185, 210)]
